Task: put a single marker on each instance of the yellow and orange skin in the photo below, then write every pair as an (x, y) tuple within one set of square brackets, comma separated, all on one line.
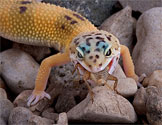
[(41, 24)]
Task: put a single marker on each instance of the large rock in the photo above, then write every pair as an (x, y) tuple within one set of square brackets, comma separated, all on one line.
[(147, 52), (122, 25), (107, 107), (2, 84), (3, 94), (88, 8), (155, 79), (18, 69), (5, 109), (141, 5)]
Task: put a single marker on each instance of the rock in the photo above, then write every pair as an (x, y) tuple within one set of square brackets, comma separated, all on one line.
[(63, 120), (122, 25), (5, 108), (23, 116), (155, 79), (107, 107), (37, 52), (21, 99), (3, 94), (2, 122), (49, 114), (154, 106), (118, 72), (19, 70), (88, 8), (2, 84), (147, 52), (139, 101), (141, 5), (65, 102)]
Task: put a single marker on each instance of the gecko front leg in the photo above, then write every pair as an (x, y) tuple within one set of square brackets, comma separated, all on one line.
[(43, 74)]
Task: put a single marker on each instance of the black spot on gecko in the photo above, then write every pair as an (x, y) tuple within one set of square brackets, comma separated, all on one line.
[(76, 41), (108, 37), (86, 35), (98, 50), (88, 52), (98, 43), (83, 48), (97, 56), (78, 16), (100, 64), (100, 38), (63, 27), (73, 22), (87, 41), (91, 57), (22, 9), (95, 61), (26, 2), (98, 34), (67, 17)]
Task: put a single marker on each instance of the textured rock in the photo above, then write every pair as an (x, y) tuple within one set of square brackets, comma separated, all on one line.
[(139, 101), (23, 116), (118, 72), (19, 70), (21, 99), (107, 107), (154, 106), (65, 102), (147, 52), (63, 120), (2, 122), (3, 94), (155, 79), (122, 25), (88, 8), (2, 84), (141, 5), (5, 108), (49, 114), (37, 52)]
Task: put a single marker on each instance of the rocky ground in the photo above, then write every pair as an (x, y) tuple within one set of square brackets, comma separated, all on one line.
[(138, 26)]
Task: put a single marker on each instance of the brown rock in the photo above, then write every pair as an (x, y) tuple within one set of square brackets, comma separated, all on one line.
[(2, 84), (155, 79), (37, 52), (63, 120), (19, 70), (139, 101), (3, 94), (122, 25), (147, 52), (107, 107), (50, 114)]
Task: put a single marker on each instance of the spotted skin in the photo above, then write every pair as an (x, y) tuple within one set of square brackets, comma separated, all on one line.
[(34, 23)]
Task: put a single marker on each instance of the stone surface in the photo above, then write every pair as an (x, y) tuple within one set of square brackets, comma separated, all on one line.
[(141, 5), (19, 70), (122, 25), (107, 107), (5, 109), (2, 122), (2, 84), (65, 102), (23, 116), (147, 52), (50, 114), (154, 106), (3, 94), (88, 8), (37, 52), (63, 120), (21, 99), (155, 79), (118, 72), (139, 101)]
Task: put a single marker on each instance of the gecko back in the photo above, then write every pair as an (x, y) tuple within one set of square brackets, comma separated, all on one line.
[(40, 24)]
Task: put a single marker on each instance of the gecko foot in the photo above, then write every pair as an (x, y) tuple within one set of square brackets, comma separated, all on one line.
[(36, 96)]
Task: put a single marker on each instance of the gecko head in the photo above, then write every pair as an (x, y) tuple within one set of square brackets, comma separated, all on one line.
[(94, 50)]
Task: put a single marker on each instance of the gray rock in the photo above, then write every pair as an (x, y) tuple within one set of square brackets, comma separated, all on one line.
[(94, 10), (37, 52), (65, 102), (141, 5), (107, 107), (23, 116), (5, 109), (50, 114), (63, 120), (122, 25), (19, 70), (2, 122), (139, 101), (3, 94), (155, 79), (147, 52), (154, 106)]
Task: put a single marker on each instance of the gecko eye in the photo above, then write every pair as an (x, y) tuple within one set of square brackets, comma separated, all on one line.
[(108, 52), (80, 52)]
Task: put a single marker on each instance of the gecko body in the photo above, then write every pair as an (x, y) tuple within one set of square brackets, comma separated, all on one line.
[(78, 40)]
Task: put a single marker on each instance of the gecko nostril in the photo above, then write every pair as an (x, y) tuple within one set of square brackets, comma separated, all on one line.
[(100, 64), (97, 56), (91, 57)]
